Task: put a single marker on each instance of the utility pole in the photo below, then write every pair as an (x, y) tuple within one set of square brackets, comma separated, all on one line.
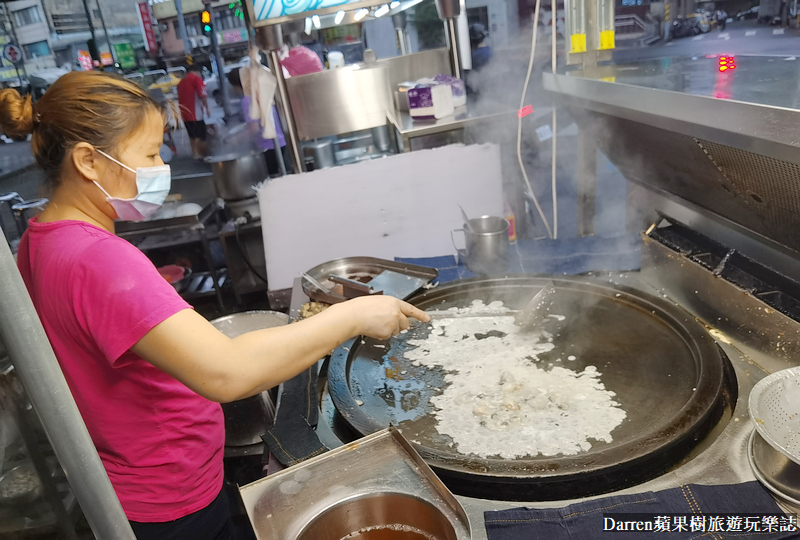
[(93, 48), (223, 82), (16, 41), (187, 47), (105, 31)]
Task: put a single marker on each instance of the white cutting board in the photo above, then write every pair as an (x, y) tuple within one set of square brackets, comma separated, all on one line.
[(399, 206)]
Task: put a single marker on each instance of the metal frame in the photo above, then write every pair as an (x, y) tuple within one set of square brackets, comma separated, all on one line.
[(762, 129), (693, 131), (33, 358)]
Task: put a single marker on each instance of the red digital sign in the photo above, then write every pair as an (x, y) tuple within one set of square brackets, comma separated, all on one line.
[(727, 63)]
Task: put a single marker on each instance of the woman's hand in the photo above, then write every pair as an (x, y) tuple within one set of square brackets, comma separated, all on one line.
[(379, 317)]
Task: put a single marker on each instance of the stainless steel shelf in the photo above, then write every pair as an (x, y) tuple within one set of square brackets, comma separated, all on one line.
[(409, 128)]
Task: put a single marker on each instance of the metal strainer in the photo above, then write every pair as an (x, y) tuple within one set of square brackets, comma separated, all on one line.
[(775, 409)]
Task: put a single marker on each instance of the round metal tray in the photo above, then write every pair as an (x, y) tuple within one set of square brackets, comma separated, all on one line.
[(668, 374), (767, 480)]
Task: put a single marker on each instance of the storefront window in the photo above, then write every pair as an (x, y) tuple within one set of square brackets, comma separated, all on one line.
[(35, 50)]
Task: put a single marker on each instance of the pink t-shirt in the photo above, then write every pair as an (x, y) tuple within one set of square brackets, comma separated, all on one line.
[(97, 295)]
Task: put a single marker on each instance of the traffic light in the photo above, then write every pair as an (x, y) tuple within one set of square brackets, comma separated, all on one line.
[(205, 21)]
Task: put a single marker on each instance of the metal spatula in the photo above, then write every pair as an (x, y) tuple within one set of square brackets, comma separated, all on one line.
[(538, 309)]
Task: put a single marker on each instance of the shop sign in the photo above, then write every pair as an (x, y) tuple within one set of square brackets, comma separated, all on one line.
[(232, 36), (125, 55), (8, 73), (85, 60), (146, 25), (106, 59), (270, 9)]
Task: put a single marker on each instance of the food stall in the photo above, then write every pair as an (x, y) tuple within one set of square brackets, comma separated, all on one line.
[(642, 379)]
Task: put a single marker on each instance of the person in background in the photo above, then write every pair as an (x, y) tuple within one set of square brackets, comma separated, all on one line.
[(267, 145), (722, 18), (147, 372), (481, 52), (193, 102)]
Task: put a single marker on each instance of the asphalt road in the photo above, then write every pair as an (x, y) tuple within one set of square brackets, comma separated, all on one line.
[(739, 38), (14, 156)]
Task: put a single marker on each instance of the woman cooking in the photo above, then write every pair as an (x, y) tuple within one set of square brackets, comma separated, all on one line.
[(146, 371)]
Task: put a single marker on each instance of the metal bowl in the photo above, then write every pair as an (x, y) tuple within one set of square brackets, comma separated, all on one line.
[(380, 515), (774, 470), (774, 406)]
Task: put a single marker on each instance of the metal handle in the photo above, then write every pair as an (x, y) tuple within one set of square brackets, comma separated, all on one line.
[(353, 284), (316, 283), (453, 240), (352, 288)]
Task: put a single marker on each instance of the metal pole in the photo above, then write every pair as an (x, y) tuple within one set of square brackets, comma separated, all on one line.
[(187, 47), (223, 82), (453, 39), (105, 31), (270, 39), (587, 182), (279, 156), (89, 19), (283, 99), (16, 41), (34, 360), (399, 20)]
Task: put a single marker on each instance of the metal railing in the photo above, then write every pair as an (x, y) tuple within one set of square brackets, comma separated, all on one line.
[(632, 27)]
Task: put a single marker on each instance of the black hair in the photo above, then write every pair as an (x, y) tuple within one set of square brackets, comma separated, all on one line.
[(234, 78)]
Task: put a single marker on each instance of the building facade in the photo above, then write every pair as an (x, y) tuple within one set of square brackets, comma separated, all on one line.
[(24, 23), (69, 29), (228, 23)]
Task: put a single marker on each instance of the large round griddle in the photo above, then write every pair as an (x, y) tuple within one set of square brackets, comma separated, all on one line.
[(668, 374)]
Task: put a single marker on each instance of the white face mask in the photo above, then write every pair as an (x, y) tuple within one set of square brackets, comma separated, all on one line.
[(152, 184)]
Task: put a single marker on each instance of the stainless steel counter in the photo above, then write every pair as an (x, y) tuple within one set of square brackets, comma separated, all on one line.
[(721, 459), (408, 128)]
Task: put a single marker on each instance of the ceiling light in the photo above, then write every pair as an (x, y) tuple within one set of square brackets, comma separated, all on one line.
[(339, 17), (360, 14), (381, 11)]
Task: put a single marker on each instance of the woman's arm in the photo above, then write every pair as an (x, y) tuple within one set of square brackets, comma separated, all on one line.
[(222, 369)]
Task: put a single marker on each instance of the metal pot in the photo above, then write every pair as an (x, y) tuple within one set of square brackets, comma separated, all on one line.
[(774, 470), (247, 419), (322, 151), (235, 174)]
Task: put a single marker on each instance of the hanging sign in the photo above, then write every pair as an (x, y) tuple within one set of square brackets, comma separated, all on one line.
[(146, 24)]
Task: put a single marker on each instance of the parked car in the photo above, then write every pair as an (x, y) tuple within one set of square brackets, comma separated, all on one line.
[(165, 83), (751, 13), (694, 24)]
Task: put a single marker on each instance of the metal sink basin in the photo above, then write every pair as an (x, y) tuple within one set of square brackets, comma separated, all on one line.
[(381, 516), (375, 488)]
